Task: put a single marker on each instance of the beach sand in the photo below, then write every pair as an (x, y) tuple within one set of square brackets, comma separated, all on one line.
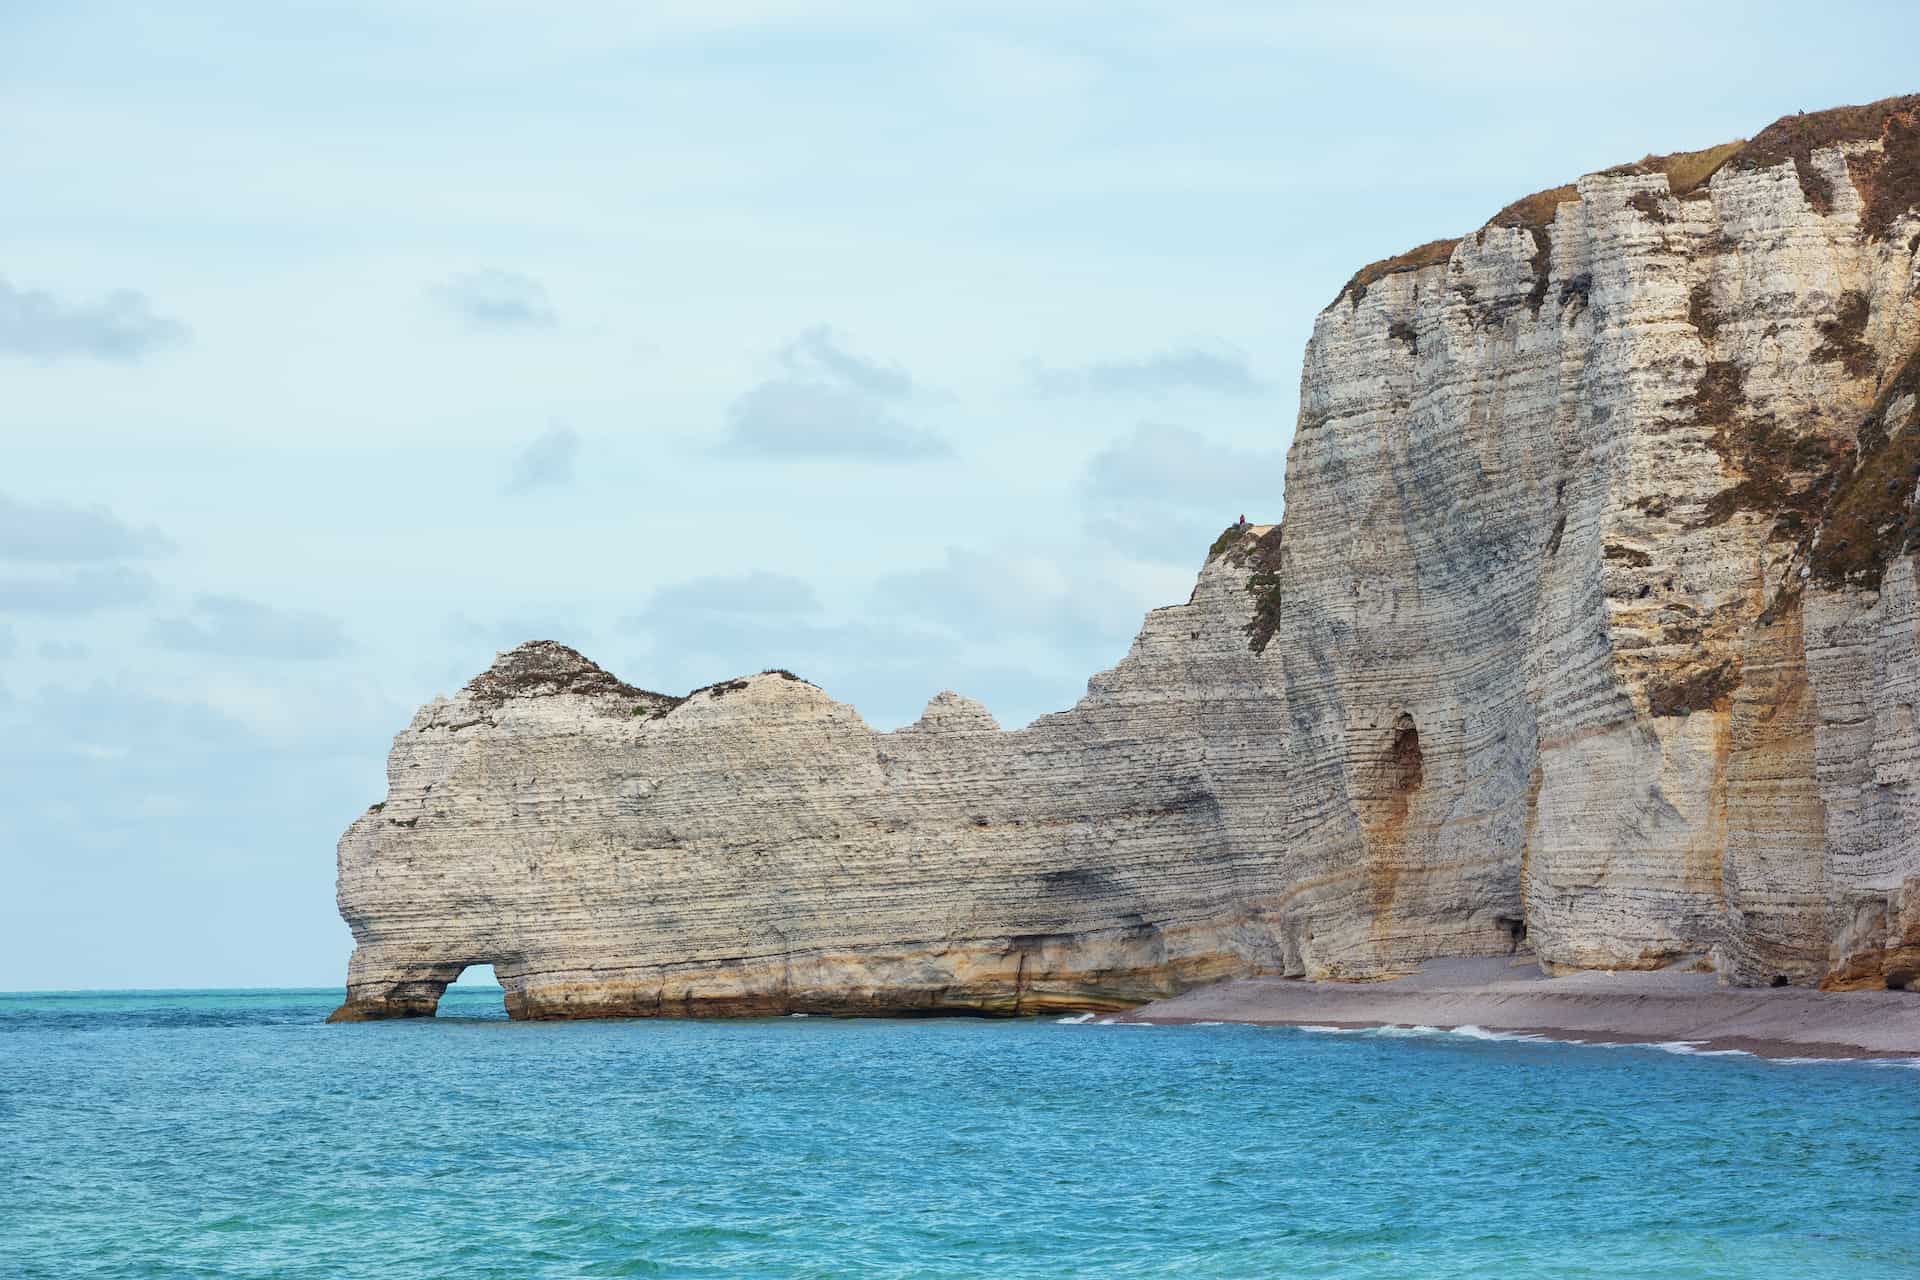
[(1597, 1007)]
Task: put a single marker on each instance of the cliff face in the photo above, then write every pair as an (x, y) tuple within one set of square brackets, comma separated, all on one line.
[(756, 848), (1593, 623), (1633, 477)]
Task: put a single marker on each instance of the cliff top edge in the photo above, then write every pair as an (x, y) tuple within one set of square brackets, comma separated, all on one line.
[(1891, 184)]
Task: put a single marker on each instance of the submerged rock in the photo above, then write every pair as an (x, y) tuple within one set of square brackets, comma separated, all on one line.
[(1593, 624)]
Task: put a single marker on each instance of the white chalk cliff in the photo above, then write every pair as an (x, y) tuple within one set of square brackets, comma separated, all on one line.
[(1591, 630)]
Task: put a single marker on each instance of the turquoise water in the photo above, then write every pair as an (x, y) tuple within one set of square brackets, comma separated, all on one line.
[(231, 1134)]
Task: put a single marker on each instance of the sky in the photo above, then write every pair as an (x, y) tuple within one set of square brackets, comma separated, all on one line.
[(909, 347)]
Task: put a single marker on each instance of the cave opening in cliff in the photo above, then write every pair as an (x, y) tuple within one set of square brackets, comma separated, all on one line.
[(1406, 765)]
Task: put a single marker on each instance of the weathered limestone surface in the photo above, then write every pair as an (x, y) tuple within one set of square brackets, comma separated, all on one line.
[(1593, 623), (756, 848), (1633, 475)]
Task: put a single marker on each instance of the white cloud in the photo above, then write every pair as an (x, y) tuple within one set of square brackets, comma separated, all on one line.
[(122, 326), (1162, 493), (497, 301), (235, 627), (54, 532), (1013, 594), (754, 594), (830, 402), (546, 462), (498, 635), (817, 353), (796, 418), (80, 591), (1174, 464), (1179, 369)]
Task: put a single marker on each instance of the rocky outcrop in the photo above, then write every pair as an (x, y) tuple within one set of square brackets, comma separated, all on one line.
[(756, 848), (1591, 629)]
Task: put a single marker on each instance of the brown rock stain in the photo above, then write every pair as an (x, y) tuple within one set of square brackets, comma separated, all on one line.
[(1703, 866), (1383, 804)]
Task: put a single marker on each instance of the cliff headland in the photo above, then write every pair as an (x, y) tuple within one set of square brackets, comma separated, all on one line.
[(1590, 636)]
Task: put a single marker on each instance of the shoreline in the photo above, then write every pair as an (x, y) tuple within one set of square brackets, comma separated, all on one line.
[(1661, 1007)]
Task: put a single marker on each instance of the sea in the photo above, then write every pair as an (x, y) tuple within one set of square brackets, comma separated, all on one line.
[(233, 1134)]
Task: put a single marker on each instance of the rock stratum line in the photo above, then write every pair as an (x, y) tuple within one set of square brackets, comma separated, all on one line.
[(1591, 630)]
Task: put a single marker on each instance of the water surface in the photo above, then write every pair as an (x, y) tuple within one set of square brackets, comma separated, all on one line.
[(231, 1134)]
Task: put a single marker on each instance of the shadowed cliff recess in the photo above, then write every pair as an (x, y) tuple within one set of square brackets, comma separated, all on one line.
[(1591, 629)]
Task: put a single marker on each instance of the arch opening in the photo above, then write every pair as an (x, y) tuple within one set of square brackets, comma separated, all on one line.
[(417, 990), (469, 991), (474, 992), (477, 975)]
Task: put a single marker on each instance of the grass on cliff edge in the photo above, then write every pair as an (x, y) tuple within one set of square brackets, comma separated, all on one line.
[(1889, 182), (1228, 536), (1430, 254), (1687, 171)]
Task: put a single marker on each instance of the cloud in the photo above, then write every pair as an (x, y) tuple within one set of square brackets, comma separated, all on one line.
[(109, 723), (545, 463), (100, 715), (755, 594), (1010, 594), (146, 808), (1155, 534), (8, 642), (55, 533), (1182, 369), (495, 301), (700, 648), (887, 670), (506, 633), (1176, 464), (46, 540), (815, 353), (235, 627), (1162, 493), (87, 590), (829, 403), (63, 650), (121, 326), (789, 418), (711, 628)]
